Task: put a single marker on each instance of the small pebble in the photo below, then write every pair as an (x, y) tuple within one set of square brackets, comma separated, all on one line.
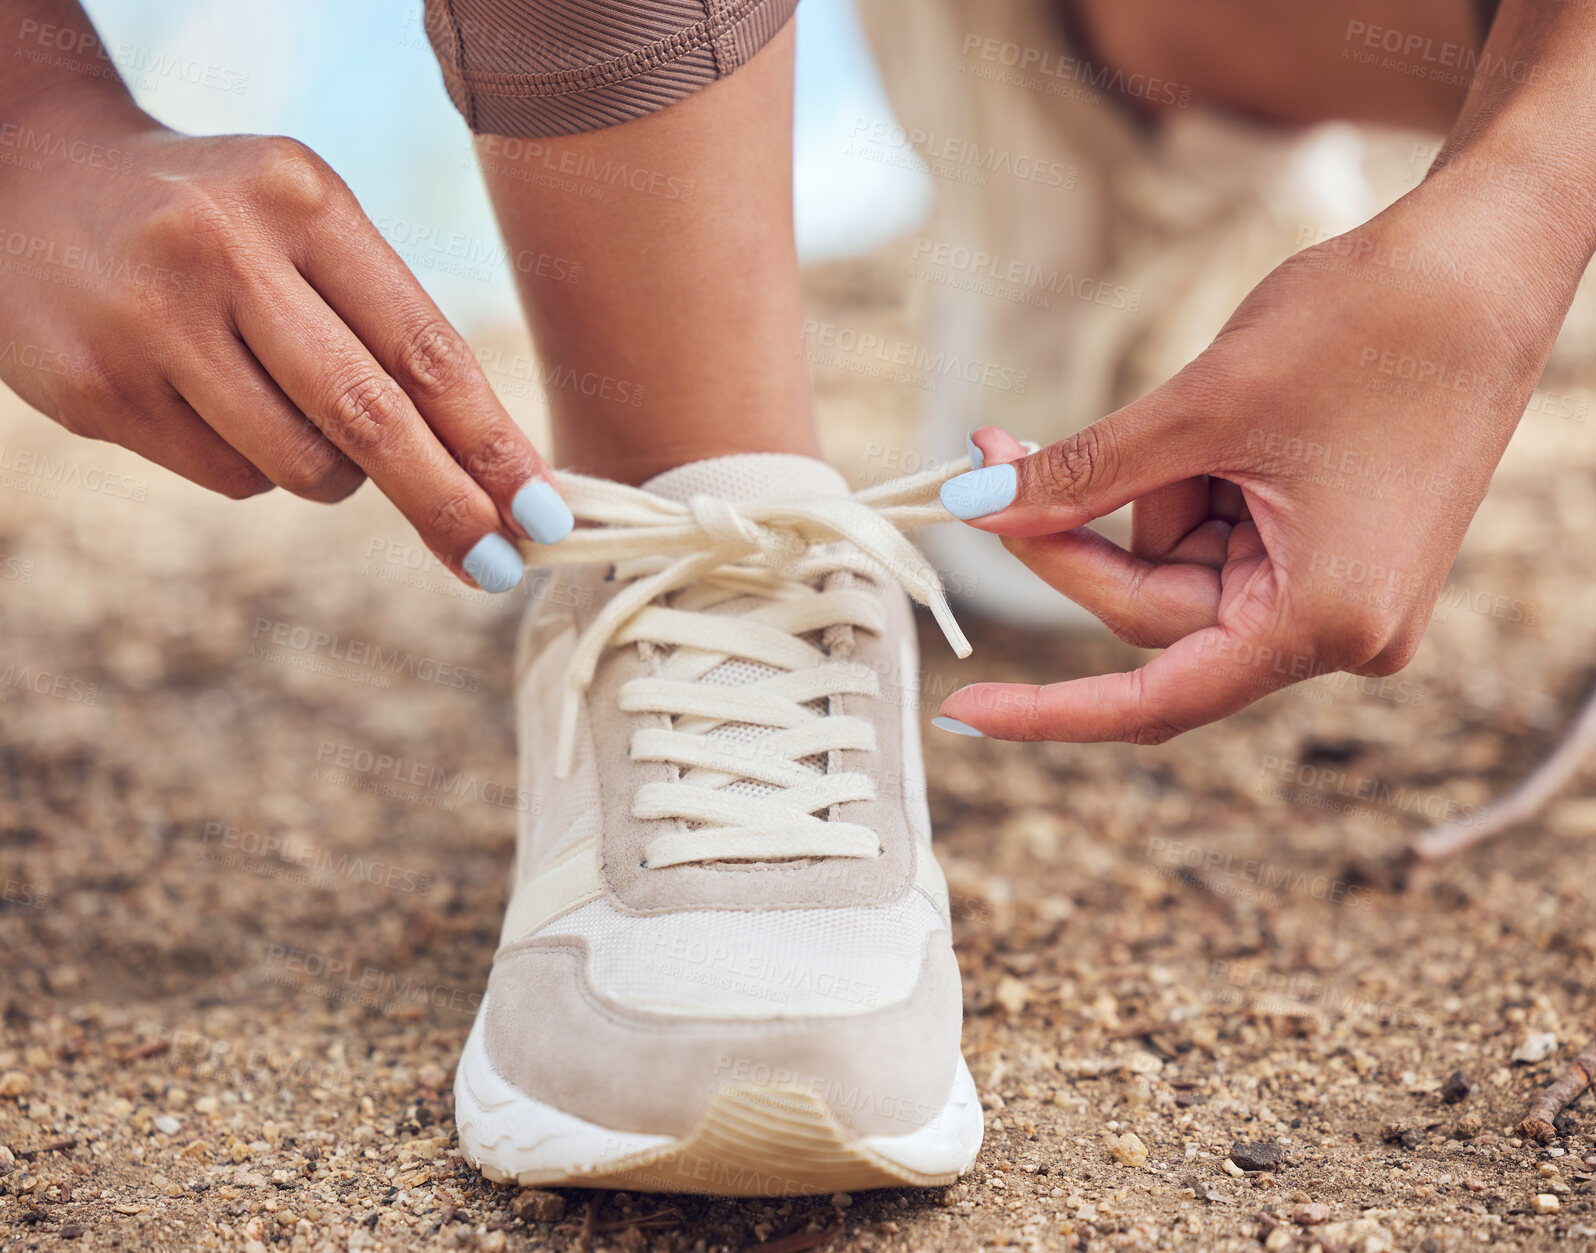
[(537, 1205), (1012, 995), (841, 1200), (1266, 1155), (1311, 1215), (1536, 1047), (15, 1083), (167, 1125), (1457, 1086), (1545, 1203), (1130, 1150), (1230, 1168), (1279, 1239)]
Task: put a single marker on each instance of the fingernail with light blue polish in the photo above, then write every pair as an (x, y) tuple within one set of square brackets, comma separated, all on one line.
[(539, 509), (977, 457), (957, 727), (494, 563), (980, 492)]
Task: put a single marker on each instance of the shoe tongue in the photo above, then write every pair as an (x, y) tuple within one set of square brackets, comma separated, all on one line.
[(749, 476)]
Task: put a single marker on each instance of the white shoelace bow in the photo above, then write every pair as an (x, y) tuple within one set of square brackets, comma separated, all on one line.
[(778, 550)]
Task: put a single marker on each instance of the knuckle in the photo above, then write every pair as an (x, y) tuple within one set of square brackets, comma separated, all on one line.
[(312, 468), (1071, 468), (1394, 657), (502, 456), (288, 175), (1358, 638), (192, 217), (362, 412), (242, 481), (458, 516), (86, 392), (1151, 734), (433, 361)]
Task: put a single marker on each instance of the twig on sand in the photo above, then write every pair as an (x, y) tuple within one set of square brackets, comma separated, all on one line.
[(1581, 1074), (1544, 782)]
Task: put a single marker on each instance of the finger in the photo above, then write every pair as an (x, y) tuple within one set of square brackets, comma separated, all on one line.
[(235, 396), (992, 445), (168, 432), (1163, 518), (1112, 462), (1200, 679), (328, 374), (375, 294), (1226, 500), (1145, 604)]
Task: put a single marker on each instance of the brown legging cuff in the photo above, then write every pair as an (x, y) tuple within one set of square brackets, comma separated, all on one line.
[(558, 67)]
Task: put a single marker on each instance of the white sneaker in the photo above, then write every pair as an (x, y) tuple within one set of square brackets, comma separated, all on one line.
[(727, 963)]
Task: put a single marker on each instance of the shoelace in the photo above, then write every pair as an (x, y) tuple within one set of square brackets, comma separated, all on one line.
[(778, 550)]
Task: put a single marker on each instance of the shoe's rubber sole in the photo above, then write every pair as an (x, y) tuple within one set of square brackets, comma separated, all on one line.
[(751, 1141)]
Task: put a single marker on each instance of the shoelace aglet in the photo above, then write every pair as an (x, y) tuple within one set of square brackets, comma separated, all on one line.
[(950, 626)]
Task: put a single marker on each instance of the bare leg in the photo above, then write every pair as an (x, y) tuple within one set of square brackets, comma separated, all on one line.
[(1297, 63), (694, 297)]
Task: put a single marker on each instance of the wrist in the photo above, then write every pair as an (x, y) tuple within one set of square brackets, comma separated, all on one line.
[(66, 115), (1537, 176), (1490, 222)]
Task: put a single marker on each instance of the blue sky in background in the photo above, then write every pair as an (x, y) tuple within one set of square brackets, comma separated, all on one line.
[(358, 83)]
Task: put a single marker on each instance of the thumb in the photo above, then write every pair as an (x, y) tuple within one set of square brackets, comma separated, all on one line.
[(1133, 451)]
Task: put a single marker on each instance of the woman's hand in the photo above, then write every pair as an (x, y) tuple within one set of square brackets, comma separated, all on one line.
[(223, 307), (1300, 489)]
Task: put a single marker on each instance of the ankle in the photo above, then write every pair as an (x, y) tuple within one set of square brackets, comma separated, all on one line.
[(634, 458)]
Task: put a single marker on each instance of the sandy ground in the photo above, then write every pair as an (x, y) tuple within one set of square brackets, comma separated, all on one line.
[(242, 946)]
